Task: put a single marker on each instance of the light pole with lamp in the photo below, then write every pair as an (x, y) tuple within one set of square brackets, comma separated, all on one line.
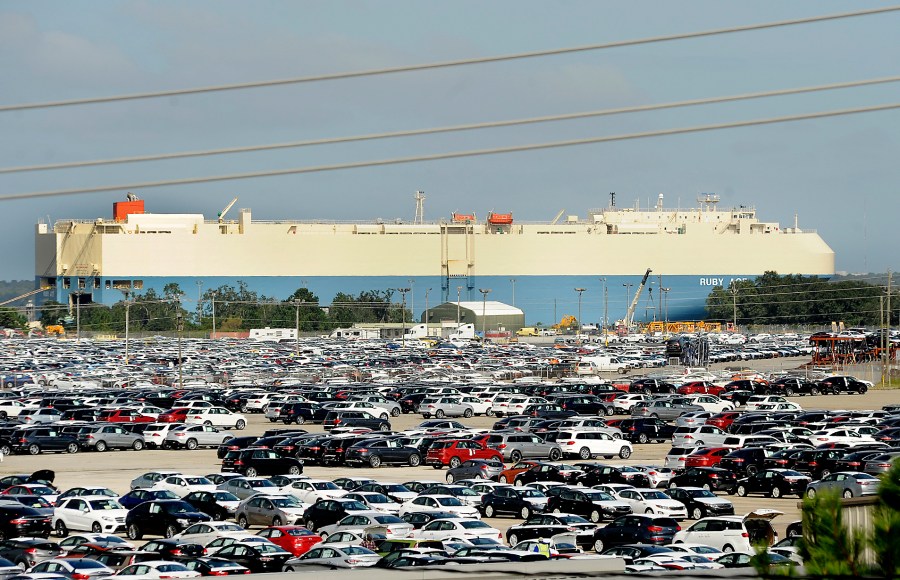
[(427, 291), (77, 314), (628, 286), (484, 293), (605, 312), (297, 327), (513, 282), (199, 302), (403, 292), (213, 301), (580, 324), (665, 292), (127, 320), (458, 291), (179, 326)]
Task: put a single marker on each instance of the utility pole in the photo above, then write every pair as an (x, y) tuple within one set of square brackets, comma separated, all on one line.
[(513, 282), (580, 323), (665, 292), (605, 312), (127, 308), (412, 297), (199, 302), (77, 315), (214, 313), (403, 292), (179, 325), (297, 327), (886, 334), (734, 298), (458, 291), (427, 291), (484, 293)]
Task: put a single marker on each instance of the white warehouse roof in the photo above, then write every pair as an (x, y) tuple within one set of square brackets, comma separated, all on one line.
[(489, 308)]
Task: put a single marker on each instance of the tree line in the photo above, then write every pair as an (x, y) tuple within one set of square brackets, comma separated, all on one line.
[(775, 299), (236, 308)]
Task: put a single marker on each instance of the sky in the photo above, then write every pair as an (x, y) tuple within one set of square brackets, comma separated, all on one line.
[(838, 175)]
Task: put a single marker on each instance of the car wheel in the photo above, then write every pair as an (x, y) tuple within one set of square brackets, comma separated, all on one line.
[(243, 521), (101, 446), (513, 539), (789, 392), (311, 525), (395, 412), (848, 494), (700, 444), (137, 445), (191, 444), (295, 470), (625, 453), (598, 546), (502, 479), (814, 391), (697, 513), (489, 511), (374, 461), (468, 413), (240, 425), (208, 423), (251, 472), (384, 417), (450, 478), (555, 455), (518, 482), (439, 413), (810, 493), (276, 521), (742, 491), (862, 390), (5, 449), (776, 492), (489, 413), (584, 453), (728, 548), (642, 438), (72, 448), (608, 411), (595, 516), (556, 511), (287, 569), (415, 460), (384, 427), (97, 528), (525, 513), (515, 456), (649, 512), (34, 449), (134, 532), (171, 531), (751, 470), (455, 462), (300, 420), (707, 487), (61, 530)]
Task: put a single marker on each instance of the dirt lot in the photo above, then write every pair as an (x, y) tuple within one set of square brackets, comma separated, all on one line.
[(116, 469)]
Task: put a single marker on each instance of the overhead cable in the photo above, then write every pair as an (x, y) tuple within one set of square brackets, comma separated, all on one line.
[(450, 128), (446, 64), (449, 155)]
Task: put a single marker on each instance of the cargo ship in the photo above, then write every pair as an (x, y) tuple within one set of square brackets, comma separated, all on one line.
[(537, 267)]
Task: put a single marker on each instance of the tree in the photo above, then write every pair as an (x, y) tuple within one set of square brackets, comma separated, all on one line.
[(52, 313), (9, 318)]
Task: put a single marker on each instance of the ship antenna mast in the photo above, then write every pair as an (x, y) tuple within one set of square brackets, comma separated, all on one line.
[(420, 207)]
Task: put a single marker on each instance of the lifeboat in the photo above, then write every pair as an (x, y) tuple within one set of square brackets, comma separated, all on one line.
[(500, 219), (463, 218)]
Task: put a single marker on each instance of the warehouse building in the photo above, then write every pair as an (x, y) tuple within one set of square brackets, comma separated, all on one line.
[(490, 316)]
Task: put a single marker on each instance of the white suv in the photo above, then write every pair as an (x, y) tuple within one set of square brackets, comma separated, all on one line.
[(732, 533), (588, 444)]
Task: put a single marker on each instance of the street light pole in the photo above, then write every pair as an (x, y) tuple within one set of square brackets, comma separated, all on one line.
[(199, 302), (427, 290), (734, 298), (179, 325), (297, 327), (127, 308), (458, 291), (605, 306), (513, 281), (484, 293), (665, 292), (628, 286), (214, 314), (580, 323), (403, 292)]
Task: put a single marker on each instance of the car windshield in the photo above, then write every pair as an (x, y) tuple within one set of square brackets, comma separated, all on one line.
[(702, 493), (396, 488), (165, 494), (105, 504), (287, 501), (299, 532), (389, 520), (532, 493), (574, 519), (179, 507), (225, 496), (355, 506), (260, 483), (266, 547), (465, 491), (324, 485), (84, 563), (473, 524), (378, 498), (356, 551), (451, 501)]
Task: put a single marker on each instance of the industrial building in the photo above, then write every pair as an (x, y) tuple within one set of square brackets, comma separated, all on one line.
[(488, 316)]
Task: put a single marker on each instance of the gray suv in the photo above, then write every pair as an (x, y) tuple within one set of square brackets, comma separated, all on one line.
[(106, 437), (517, 446)]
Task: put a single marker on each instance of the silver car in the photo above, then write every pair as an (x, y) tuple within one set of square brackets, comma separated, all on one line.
[(702, 436), (881, 463), (244, 487), (269, 510), (665, 409), (109, 437), (194, 436), (449, 406), (334, 556), (847, 483), (517, 446)]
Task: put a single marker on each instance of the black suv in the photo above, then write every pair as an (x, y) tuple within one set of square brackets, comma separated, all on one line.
[(645, 429), (746, 461), (17, 520), (254, 461), (636, 529), (597, 474), (34, 440), (300, 413), (790, 386), (165, 517), (354, 419), (648, 386), (843, 384)]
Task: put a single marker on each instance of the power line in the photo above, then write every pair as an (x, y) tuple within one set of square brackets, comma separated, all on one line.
[(452, 154), (447, 64), (451, 128)]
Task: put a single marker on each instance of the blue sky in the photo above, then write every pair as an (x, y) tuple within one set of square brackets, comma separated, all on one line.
[(840, 175)]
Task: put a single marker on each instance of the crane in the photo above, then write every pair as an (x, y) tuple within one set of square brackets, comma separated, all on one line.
[(629, 316), (227, 207), (26, 295), (559, 215)]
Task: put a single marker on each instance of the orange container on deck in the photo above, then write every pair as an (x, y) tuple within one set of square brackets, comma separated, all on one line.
[(500, 219), (463, 218), (121, 209)]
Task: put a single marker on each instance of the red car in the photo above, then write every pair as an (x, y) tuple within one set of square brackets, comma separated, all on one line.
[(509, 474), (295, 539), (723, 420), (174, 416), (454, 452), (124, 416), (700, 388), (706, 457)]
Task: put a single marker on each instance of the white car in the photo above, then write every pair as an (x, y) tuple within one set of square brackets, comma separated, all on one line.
[(333, 556), (181, 485), (439, 503), (623, 404), (156, 569), (588, 444), (711, 403), (731, 533), (376, 501), (653, 501), (844, 436), (365, 406), (12, 408), (206, 532), (479, 406), (465, 528), (755, 401), (98, 514), (312, 490), (702, 436), (217, 417), (394, 527)]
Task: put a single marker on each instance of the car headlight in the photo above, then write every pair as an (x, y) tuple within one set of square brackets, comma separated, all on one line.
[(183, 521), (108, 518)]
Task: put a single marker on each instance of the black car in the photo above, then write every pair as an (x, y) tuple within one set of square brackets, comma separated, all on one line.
[(311, 450), (746, 461), (17, 520), (598, 474), (300, 413), (843, 384), (288, 447), (26, 552), (700, 502), (329, 511), (235, 444), (648, 386), (519, 501), (589, 503), (646, 429), (546, 472), (172, 549), (252, 462), (774, 483), (215, 566), (584, 405), (632, 552), (636, 529), (376, 452), (410, 403), (35, 440), (208, 503), (709, 478), (789, 386), (334, 451), (257, 557), (355, 419), (818, 463), (161, 518), (549, 525)]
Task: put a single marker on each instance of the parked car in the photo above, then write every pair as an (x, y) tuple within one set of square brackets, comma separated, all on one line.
[(98, 514), (252, 462), (453, 452), (774, 483), (35, 440), (194, 436), (295, 539), (475, 469), (519, 501), (376, 452), (708, 478), (732, 533), (848, 484), (589, 503), (516, 446), (546, 526), (700, 502), (269, 510), (161, 518), (636, 529), (103, 437), (588, 444)]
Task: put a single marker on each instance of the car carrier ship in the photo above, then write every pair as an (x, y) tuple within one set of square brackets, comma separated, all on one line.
[(538, 267)]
